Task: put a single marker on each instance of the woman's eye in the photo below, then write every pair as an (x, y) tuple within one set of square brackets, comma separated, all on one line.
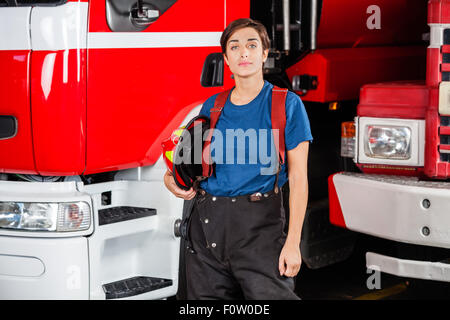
[(233, 47), (252, 45)]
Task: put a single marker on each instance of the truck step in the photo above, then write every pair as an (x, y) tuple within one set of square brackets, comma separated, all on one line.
[(134, 286), (119, 214)]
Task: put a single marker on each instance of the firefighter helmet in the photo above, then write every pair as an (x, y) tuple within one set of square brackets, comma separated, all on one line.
[(179, 153)]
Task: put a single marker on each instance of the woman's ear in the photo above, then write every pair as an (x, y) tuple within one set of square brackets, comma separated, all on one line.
[(225, 58), (265, 55)]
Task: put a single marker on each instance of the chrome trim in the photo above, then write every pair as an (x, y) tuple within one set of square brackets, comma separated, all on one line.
[(314, 24), (286, 26)]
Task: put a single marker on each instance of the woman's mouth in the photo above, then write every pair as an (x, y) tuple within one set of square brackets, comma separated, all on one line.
[(244, 64)]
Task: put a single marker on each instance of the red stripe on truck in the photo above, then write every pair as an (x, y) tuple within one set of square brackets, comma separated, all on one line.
[(336, 216)]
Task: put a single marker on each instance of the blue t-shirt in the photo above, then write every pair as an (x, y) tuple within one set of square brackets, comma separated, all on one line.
[(242, 146)]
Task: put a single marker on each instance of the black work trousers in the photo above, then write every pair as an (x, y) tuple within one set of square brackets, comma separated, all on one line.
[(236, 243)]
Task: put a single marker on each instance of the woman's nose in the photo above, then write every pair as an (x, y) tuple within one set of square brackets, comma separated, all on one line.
[(244, 53)]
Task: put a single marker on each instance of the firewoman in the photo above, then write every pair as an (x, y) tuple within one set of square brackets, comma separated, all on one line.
[(238, 245)]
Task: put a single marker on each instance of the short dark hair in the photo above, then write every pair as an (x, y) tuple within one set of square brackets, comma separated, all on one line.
[(244, 23)]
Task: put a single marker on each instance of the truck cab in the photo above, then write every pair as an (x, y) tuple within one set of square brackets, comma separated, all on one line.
[(89, 90), (400, 146)]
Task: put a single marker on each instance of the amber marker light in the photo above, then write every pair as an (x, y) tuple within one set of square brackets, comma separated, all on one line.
[(333, 106), (348, 139)]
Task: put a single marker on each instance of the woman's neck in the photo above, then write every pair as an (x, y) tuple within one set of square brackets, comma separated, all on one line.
[(246, 89)]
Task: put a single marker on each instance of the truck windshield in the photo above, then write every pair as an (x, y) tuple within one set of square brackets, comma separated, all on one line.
[(23, 3)]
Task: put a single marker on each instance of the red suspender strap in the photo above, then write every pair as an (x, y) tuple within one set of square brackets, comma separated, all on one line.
[(215, 111), (279, 120)]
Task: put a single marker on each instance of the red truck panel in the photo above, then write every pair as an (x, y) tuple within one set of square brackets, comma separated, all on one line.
[(336, 216), (401, 99), (58, 86), (344, 24), (360, 66), (439, 11), (16, 154), (350, 42)]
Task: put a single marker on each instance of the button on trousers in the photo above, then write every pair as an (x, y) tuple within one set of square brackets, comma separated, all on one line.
[(236, 245)]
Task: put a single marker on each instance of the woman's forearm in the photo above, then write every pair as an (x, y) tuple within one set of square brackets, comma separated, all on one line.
[(298, 199), (298, 186)]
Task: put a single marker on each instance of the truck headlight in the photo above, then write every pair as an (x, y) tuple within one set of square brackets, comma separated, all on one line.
[(72, 216), (387, 142)]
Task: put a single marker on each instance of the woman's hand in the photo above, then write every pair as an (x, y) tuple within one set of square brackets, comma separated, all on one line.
[(169, 181), (290, 260), (290, 257)]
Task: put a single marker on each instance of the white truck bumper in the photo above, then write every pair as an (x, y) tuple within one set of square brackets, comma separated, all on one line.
[(39, 268), (395, 208), (437, 271)]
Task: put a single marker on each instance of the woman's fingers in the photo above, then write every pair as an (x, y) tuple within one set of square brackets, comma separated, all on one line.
[(281, 265), (186, 195), (180, 193), (169, 181), (292, 270), (288, 265)]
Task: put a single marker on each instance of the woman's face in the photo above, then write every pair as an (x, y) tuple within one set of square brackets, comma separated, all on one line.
[(244, 53)]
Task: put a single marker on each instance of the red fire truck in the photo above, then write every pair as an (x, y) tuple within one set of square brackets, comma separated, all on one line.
[(89, 89), (400, 143)]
